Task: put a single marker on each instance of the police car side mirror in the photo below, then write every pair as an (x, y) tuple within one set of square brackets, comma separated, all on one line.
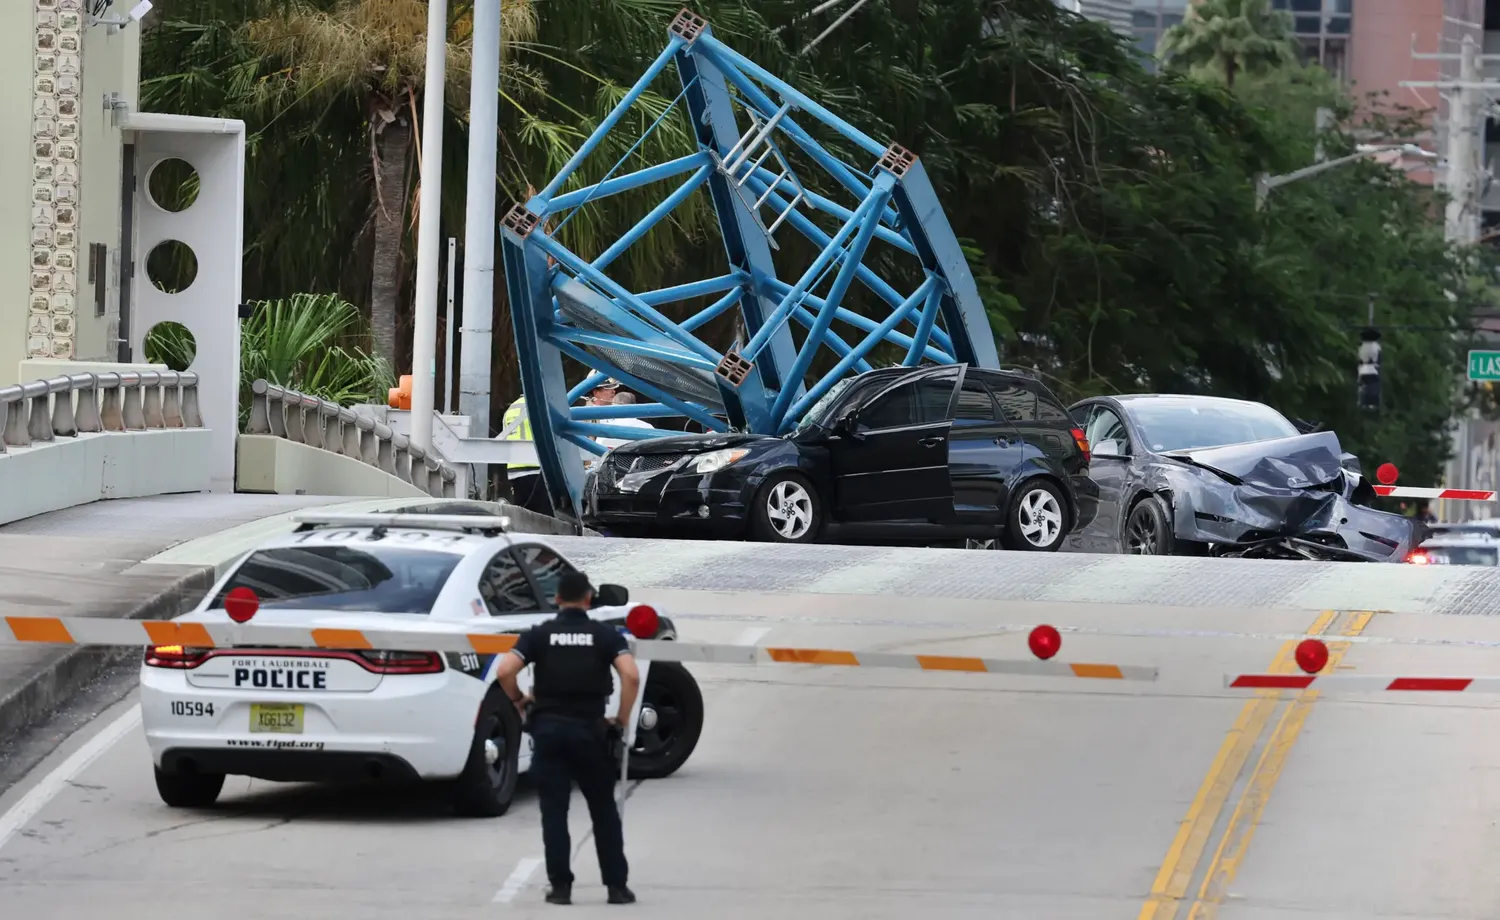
[(611, 596)]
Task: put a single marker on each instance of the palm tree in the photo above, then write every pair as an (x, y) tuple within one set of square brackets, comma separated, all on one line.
[(372, 54), (1231, 37)]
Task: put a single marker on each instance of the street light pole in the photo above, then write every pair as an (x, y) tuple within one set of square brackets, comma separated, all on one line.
[(479, 223), (424, 337)]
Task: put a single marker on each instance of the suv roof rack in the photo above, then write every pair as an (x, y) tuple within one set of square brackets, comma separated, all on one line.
[(488, 525), (1031, 372)]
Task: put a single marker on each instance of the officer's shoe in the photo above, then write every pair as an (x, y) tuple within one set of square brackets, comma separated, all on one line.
[(621, 895), (560, 894)]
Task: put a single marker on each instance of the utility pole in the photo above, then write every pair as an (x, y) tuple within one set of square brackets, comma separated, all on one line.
[(424, 337), (479, 225)]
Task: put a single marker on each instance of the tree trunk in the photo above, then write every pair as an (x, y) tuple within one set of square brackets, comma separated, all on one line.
[(1230, 66), (394, 146)]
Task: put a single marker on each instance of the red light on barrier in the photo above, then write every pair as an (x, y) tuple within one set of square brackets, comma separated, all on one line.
[(1386, 473), (642, 621), (241, 604), (1044, 641), (1312, 655)]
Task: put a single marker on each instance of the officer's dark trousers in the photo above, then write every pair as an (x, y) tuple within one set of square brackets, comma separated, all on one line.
[(569, 751), (530, 492)]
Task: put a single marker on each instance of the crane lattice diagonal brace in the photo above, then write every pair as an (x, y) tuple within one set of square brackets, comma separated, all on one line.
[(865, 210)]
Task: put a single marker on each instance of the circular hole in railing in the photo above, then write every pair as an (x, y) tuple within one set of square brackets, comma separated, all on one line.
[(172, 266), (171, 344), (172, 185)]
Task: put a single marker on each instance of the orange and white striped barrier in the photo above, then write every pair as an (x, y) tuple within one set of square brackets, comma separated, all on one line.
[(1464, 495), (100, 631)]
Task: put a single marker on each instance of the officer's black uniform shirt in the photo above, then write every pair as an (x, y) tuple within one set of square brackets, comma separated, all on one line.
[(573, 655)]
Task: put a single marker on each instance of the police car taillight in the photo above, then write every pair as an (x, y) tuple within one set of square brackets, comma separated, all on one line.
[(174, 656), (642, 621), (383, 662)]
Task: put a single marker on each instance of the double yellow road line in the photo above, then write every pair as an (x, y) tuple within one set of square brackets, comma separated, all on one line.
[(1180, 867)]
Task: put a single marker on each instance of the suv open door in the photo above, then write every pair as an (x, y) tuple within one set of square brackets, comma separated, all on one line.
[(889, 452)]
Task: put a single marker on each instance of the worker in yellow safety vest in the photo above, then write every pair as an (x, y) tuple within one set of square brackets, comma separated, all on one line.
[(526, 484)]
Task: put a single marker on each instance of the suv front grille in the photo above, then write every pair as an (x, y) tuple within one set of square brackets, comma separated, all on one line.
[(615, 466)]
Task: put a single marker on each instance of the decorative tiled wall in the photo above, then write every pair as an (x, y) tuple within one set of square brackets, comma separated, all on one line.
[(56, 98)]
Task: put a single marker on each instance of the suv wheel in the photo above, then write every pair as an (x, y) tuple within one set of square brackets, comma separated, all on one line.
[(1038, 519), (787, 510)]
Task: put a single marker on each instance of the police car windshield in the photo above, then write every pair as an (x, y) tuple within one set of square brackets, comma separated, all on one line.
[(374, 578)]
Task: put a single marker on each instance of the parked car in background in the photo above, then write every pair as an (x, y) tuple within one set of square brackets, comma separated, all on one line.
[(907, 455), (1468, 543), (1191, 475)]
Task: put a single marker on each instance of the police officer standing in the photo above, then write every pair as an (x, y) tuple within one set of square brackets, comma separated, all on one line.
[(572, 655)]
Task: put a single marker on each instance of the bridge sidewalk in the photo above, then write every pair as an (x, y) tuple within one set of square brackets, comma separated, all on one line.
[(86, 561)]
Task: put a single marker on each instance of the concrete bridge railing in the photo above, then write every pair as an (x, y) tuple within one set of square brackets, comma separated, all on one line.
[(278, 412), (67, 406), (78, 438)]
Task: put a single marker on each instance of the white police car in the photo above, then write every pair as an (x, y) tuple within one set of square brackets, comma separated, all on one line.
[(299, 715)]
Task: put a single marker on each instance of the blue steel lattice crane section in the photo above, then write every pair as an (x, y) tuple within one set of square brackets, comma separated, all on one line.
[(751, 128)]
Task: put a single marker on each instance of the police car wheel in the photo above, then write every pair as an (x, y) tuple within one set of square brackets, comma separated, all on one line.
[(188, 790), (488, 784), (672, 707)]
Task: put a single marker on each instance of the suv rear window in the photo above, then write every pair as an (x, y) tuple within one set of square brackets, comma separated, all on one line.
[(378, 579)]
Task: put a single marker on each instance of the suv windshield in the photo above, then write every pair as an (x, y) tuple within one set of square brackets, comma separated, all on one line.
[(815, 412), (1181, 424), (375, 578)]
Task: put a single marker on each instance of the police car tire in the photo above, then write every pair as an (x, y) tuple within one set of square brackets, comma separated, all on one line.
[(684, 687), (188, 790), (761, 527), (474, 795)]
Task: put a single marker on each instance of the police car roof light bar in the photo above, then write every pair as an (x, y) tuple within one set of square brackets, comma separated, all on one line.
[(462, 523)]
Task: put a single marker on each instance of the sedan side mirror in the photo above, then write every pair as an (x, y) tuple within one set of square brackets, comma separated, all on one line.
[(611, 596), (1110, 449)]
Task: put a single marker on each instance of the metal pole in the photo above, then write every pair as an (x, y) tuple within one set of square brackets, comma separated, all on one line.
[(1463, 149), (1323, 125), (479, 224), (424, 339), (448, 331)]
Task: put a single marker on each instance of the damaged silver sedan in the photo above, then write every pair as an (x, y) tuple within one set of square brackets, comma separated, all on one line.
[(1201, 475)]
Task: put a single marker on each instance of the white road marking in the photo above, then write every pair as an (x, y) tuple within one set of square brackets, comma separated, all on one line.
[(752, 635), (45, 791), (525, 869)]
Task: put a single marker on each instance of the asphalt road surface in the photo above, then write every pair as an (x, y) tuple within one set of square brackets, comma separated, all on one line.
[(860, 793)]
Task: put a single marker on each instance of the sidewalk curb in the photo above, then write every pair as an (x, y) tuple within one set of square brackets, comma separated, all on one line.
[(67, 670)]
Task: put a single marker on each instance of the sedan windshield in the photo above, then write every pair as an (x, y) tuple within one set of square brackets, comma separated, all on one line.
[(1459, 555), (1181, 424), (378, 579)]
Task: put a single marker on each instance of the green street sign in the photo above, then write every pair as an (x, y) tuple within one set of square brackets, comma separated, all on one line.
[(1484, 365)]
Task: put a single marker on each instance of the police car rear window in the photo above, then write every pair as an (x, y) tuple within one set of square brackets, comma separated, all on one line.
[(377, 579), (1461, 555)]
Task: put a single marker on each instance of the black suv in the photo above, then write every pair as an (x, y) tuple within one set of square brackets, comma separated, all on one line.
[(897, 454)]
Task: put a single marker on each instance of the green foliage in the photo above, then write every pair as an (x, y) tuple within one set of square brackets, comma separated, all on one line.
[(300, 342), (1225, 38)]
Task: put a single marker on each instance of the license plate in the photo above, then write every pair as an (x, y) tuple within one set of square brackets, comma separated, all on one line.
[(279, 718)]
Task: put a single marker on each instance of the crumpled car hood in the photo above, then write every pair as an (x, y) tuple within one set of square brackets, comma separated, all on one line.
[(1285, 463), (1285, 498)]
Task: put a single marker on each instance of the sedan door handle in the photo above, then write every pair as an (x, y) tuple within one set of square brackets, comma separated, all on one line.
[(931, 442)]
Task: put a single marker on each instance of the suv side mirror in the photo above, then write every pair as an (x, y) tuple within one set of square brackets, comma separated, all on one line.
[(611, 596), (1110, 449), (847, 425)]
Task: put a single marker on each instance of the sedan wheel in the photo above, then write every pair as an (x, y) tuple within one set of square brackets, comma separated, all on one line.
[(1147, 531)]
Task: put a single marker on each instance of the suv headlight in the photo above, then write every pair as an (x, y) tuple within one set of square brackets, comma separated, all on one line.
[(716, 460)]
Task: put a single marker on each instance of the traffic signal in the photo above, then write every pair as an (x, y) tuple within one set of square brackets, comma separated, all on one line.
[(1368, 380)]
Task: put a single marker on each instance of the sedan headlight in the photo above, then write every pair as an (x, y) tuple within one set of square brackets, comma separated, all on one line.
[(716, 460)]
